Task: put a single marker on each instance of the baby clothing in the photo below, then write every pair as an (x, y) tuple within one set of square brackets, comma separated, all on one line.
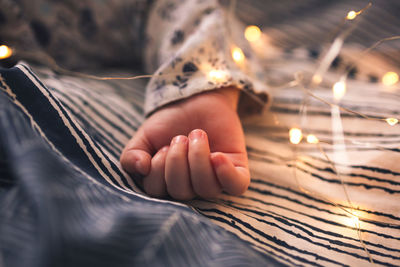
[(187, 45)]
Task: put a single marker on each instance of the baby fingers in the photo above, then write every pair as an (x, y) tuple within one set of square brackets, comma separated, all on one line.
[(154, 182), (234, 180), (202, 175), (177, 175)]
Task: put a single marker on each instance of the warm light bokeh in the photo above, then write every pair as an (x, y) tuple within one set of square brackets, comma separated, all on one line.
[(351, 15), (317, 79), (237, 55), (353, 219), (390, 78), (5, 52), (392, 121), (339, 90), (312, 139), (252, 33), (295, 136), (217, 75)]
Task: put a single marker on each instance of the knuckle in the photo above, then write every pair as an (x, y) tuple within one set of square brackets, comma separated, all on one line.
[(195, 151), (239, 191), (174, 155), (205, 192), (179, 193), (153, 191), (182, 195)]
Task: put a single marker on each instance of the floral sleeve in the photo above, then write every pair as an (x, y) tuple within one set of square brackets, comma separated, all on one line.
[(187, 44), (189, 49)]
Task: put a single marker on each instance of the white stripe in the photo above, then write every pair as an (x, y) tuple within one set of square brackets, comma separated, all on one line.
[(79, 141), (19, 66), (8, 91)]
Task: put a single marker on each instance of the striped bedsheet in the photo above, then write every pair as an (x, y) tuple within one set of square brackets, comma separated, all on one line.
[(65, 199), (292, 212)]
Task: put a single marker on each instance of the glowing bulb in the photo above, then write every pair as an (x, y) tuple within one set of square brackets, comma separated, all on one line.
[(217, 75), (339, 89), (354, 221), (316, 79), (5, 52), (312, 139), (295, 136), (392, 121), (390, 78), (237, 55), (252, 33), (351, 15)]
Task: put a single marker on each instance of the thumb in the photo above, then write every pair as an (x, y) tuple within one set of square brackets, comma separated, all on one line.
[(136, 156), (234, 179)]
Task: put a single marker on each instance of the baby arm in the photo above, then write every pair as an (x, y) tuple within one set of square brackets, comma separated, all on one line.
[(192, 144)]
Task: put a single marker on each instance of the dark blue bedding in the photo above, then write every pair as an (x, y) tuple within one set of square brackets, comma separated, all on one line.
[(56, 208)]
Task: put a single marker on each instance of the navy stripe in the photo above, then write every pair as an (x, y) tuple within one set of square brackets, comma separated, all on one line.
[(87, 124), (125, 117), (266, 192), (286, 221), (273, 239), (96, 135), (320, 159), (299, 223), (88, 146), (97, 112), (328, 169), (338, 181), (332, 181), (233, 224), (55, 124), (310, 197), (46, 117)]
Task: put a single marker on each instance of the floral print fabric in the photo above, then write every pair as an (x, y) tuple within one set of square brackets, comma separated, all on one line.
[(186, 44)]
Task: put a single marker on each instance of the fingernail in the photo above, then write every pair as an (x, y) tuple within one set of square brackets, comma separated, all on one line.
[(196, 135), (217, 160), (180, 139), (139, 166)]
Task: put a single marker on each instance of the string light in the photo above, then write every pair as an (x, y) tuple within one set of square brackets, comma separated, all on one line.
[(237, 55), (339, 90), (5, 52), (390, 78), (316, 79), (312, 139), (351, 15), (392, 121), (217, 75), (352, 221), (295, 136), (252, 33)]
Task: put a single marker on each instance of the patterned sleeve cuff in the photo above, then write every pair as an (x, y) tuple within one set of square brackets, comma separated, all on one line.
[(192, 53)]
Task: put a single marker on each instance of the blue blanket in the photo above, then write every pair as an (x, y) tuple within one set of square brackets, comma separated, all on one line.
[(65, 202)]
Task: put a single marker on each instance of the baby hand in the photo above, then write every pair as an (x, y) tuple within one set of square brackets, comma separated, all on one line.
[(190, 148)]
